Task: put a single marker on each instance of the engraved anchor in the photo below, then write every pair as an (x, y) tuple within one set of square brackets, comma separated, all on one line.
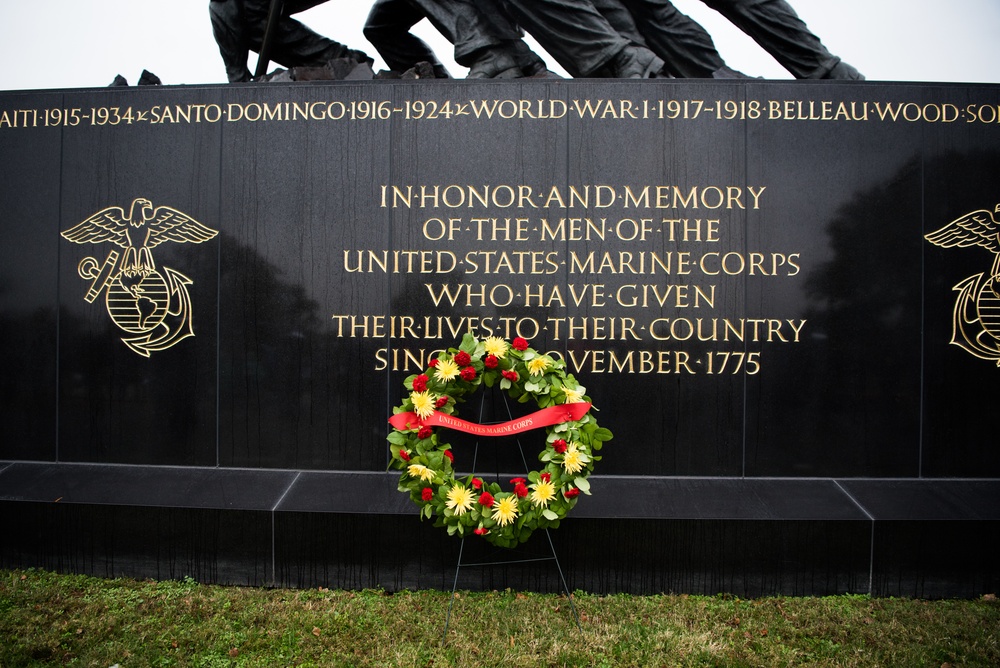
[(139, 298), (976, 316)]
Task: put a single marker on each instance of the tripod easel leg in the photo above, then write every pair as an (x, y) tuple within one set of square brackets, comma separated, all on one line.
[(548, 536)]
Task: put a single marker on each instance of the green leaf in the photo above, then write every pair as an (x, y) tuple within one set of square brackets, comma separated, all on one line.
[(544, 391), (468, 343)]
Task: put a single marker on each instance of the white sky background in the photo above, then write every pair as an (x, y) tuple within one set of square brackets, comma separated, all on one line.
[(85, 43)]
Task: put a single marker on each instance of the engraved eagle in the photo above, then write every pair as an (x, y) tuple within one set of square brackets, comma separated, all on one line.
[(139, 232), (978, 228)]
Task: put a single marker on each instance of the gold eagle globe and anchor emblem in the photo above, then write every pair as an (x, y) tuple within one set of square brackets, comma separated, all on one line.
[(976, 317), (152, 305)]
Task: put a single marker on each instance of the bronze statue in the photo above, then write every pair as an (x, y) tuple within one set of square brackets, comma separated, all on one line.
[(688, 50), (775, 26), (489, 44), (576, 33), (582, 40), (685, 47), (239, 27), (487, 37), (589, 38), (388, 29)]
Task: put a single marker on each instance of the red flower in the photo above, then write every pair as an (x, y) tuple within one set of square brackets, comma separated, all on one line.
[(477, 483), (519, 344), (462, 358), (420, 383), (433, 363), (520, 490), (447, 453), (559, 445), (424, 432), (491, 361), (570, 493), (403, 455), (545, 477), (481, 531), (515, 481), (468, 373), (427, 494), (510, 375), (441, 402), (486, 499)]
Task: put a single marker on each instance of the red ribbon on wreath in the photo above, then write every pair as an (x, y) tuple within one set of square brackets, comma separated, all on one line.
[(542, 418)]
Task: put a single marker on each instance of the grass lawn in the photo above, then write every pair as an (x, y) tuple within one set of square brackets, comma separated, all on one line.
[(48, 619)]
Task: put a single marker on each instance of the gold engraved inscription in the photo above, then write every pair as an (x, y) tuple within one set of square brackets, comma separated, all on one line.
[(976, 314), (151, 304)]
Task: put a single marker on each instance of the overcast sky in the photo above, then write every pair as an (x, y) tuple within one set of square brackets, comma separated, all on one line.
[(79, 44)]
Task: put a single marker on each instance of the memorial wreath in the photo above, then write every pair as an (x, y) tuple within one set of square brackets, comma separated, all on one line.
[(471, 505)]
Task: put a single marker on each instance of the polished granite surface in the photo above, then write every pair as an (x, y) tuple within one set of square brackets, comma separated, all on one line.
[(792, 372)]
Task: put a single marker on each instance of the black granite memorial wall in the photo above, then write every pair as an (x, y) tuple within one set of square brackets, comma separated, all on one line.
[(747, 276)]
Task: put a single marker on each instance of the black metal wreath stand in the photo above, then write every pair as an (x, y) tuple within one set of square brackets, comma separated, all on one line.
[(476, 564)]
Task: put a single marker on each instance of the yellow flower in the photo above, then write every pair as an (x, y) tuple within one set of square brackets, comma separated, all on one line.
[(573, 459), (495, 346), (542, 493), (420, 471), (460, 499), (446, 370), (573, 396), (538, 365), (423, 404), (505, 510)]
